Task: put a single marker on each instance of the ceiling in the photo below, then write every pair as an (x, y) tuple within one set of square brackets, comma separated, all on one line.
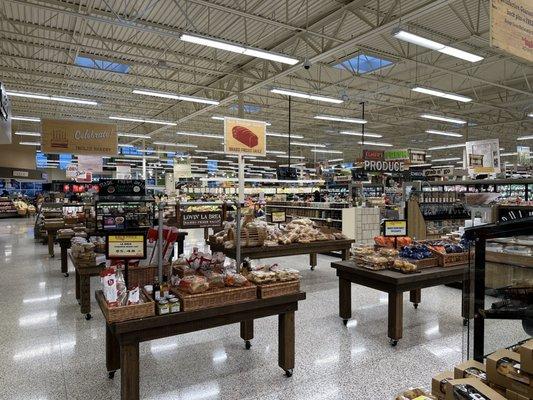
[(41, 41)]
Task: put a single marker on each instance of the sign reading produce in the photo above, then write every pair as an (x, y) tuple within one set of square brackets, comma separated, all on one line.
[(383, 166), (244, 136), (79, 137), (126, 246), (200, 219)]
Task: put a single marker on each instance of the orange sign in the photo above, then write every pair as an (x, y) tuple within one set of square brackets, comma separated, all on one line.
[(79, 137), (244, 136)]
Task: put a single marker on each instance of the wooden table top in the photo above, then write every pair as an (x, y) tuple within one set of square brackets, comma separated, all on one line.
[(92, 269), (159, 321), (397, 278), (287, 249)]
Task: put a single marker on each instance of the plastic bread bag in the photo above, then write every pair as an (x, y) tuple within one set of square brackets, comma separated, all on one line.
[(215, 279), (121, 283), (133, 296), (194, 284), (109, 283), (235, 280)]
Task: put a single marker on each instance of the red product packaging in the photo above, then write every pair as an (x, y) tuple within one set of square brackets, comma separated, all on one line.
[(245, 136)]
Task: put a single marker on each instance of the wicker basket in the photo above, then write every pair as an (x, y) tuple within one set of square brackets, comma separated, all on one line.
[(250, 236), (451, 259), (277, 289), (126, 313), (424, 263), (140, 276), (216, 297)]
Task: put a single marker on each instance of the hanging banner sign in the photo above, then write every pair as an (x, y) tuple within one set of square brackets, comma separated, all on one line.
[(121, 187), (182, 168), (396, 155), (200, 219), (483, 156), (511, 27), (383, 166), (126, 246), (90, 163), (244, 136), (78, 137), (433, 172), (395, 227), (373, 155)]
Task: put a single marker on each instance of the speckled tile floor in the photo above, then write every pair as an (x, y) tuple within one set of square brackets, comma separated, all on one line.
[(49, 351)]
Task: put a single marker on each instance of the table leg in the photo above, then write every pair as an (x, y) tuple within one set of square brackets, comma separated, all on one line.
[(51, 244), (286, 342), (345, 253), (85, 295), (129, 371), (112, 354), (395, 317), (415, 297), (247, 332), (468, 298), (180, 246), (312, 260), (78, 296), (64, 260), (345, 299), (206, 234)]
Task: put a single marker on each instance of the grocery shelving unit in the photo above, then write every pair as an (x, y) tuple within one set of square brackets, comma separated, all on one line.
[(124, 213), (323, 213), (506, 187), (7, 208)]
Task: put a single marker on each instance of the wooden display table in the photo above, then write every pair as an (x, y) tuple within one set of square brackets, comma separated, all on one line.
[(83, 284), (64, 244), (123, 338), (312, 248), (51, 234), (395, 284)]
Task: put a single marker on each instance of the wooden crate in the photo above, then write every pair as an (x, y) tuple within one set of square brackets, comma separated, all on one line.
[(277, 289), (425, 262), (126, 313), (215, 297), (452, 259)]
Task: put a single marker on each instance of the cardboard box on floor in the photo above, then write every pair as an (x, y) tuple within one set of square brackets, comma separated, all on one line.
[(503, 369), (461, 389), (438, 384), (514, 396), (526, 356), (471, 369)]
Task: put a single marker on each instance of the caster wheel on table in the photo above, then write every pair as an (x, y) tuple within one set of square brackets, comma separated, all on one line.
[(111, 374), (312, 267), (393, 342), (88, 317), (66, 274), (247, 344), (345, 322), (465, 321), (52, 256), (288, 373), (415, 305)]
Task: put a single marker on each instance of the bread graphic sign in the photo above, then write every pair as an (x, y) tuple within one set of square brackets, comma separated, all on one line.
[(245, 136)]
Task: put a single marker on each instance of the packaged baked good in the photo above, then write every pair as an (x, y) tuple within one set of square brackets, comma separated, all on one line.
[(214, 279), (194, 284), (262, 277)]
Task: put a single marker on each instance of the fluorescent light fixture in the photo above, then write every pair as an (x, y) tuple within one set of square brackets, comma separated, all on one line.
[(446, 159), (125, 145), (326, 151), (308, 96), (508, 154), (367, 134), (293, 157), (219, 118), (30, 143), (210, 151), (198, 157), (336, 160), (236, 48), (303, 144), (53, 98), (174, 144), (439, 93), (36, 134), (375, 144), (284, 135), (430, 44), (275, 152), (448, 146), (443, 166), (530, 115), (147, 121), (28, 119), (341, 119), (443, 133), (265, 161), (133, 135), (201, 135), (525, 137), (443, 119), (172, 96)]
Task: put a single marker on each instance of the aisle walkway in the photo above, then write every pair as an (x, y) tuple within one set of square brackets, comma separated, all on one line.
[(49, 351)]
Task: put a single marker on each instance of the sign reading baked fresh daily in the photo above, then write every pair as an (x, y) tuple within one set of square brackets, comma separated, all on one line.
[(244, 136), (279, 216), (395, 227), (511, 27), (126, 246), (79, 137), (396, 154), (200, 219)]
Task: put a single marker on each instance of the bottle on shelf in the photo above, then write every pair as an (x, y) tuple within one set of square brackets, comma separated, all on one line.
[(157, 289)]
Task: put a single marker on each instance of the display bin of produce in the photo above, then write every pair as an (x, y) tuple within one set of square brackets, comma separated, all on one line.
[(129, 312), (265, 291), (449, 259), (215, 297)]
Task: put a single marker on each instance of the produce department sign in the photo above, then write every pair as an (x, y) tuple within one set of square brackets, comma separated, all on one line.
[(78, 137), (244, 136), (383, 166), (200, 219), (126, 246), (511, 27)]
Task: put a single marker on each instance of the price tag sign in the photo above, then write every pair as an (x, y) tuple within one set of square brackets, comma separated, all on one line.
[(279, 216), (395, 227), (126, 246)]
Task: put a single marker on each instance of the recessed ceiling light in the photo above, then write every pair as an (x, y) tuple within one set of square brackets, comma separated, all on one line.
[(439, 93), (442, 133), (442, 118), (341, 119), (39, 96), (367, 134), (147, 121), (308, 96), (172, 96)]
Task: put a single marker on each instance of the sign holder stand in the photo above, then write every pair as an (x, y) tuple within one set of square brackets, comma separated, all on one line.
[(160, 208)]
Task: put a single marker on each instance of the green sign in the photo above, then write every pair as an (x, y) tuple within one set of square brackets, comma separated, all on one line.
[(397, 155)]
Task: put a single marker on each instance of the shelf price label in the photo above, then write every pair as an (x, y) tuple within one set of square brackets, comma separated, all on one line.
[(395, 227), (126, 246), (279, 216)]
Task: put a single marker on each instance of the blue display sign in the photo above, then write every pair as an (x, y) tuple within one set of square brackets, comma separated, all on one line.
[(64, 160)]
